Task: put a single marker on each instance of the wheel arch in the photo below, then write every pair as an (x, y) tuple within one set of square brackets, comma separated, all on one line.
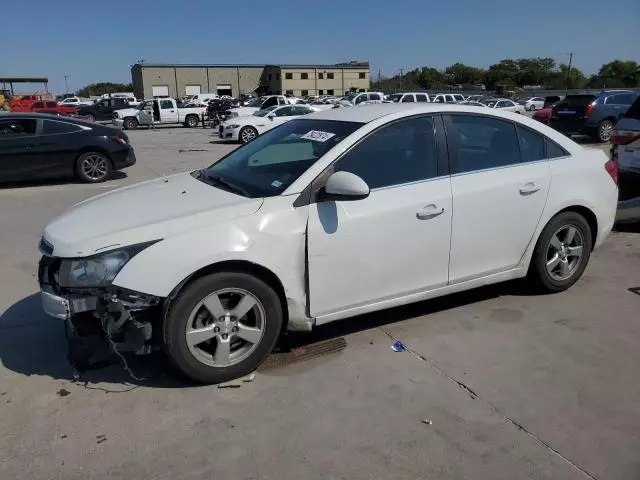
[(88, 149), (189, 115), (244, 266), (588, 215)]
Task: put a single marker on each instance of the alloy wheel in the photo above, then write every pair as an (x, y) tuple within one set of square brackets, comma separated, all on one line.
[(564, 252), (248, 134), (95, 167), (225, 327), (606, 128)]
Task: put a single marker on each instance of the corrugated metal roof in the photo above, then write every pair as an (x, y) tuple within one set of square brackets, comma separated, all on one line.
[(24, 80)]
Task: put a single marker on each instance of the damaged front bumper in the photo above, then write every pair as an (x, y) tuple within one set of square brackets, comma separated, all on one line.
[(123, 317)]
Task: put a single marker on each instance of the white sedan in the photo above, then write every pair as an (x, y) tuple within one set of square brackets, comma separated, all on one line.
[(504, 104), (331, 215), (533, 103), (245, 129)]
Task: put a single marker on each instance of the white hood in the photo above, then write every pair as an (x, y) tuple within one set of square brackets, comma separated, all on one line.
[(243, 111), (127, 112), (143, 212)]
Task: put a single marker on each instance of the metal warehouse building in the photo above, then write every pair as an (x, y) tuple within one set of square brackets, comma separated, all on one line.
[(157, 80)]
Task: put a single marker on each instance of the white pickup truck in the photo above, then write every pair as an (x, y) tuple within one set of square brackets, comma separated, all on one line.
[(158, 111)]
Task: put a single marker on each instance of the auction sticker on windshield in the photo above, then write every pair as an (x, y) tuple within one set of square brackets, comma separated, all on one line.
[(318, 136)]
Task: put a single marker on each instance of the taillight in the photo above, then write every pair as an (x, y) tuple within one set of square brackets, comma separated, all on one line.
[(612, 169), (588, 110), (118, 139), (624, 137)]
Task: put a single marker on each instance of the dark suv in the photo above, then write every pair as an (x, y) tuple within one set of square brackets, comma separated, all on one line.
[(103, 109), (593, 115)]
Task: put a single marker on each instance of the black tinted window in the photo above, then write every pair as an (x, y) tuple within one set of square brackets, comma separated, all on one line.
[(634, 110), (165, 104), (554, 150), (304, 76), (399, 153), (288, 76), (620, 99), (15, 128), (421, 97), (51, 104), (51, 128), (284, 112), (374, 96), (407, 99), (481, 142), (531, 145), (38, 105)]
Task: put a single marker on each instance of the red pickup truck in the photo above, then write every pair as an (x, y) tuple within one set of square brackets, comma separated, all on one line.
[(26, 101), (45, 106)]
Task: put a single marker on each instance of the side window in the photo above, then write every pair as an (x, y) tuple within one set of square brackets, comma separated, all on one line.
[(480, 142), (421, 97), (17, 128), (360, 99), (53, 128), (269, 102), (284, 112), (531, 145), (402, 152), (620, 99), (407, 99), (374, 96), (51, 104), (554, 150), (301, 110), (38, 105), (439, 99), (166, 104), (450, 99), (502, 104)]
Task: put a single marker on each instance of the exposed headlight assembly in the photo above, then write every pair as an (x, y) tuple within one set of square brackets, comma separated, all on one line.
[(98, 270)]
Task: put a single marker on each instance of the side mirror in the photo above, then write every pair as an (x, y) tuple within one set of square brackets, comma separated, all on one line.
[(344, 186), (270, 116)]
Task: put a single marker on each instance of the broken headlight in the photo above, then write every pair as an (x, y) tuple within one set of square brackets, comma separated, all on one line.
[(99, 270)]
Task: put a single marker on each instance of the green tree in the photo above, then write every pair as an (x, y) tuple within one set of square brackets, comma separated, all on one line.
[(462, 74), (501, 73), (431, 78), (96, 89), (575, 78), (619, 73), (534, 71)]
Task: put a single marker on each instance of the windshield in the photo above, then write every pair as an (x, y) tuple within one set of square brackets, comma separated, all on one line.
[(395, 98), (490, 103), (145, 105), (266, 166), (350, 98), (256, 102), (262, 113)]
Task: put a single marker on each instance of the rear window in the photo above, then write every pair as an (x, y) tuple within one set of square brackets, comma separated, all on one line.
[(578, 100), (634, 110)]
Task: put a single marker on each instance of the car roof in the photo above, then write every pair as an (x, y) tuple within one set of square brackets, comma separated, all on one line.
[(369, 113), (61, 118)]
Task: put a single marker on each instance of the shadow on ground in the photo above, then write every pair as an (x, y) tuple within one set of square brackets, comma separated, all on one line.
[(115, 175), (33, 344), (628, 227)]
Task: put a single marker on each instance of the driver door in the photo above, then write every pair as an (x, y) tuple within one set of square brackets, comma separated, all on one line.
[(396, 241), (168, 112)]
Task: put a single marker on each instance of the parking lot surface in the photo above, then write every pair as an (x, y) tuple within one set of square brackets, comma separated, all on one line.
[(496, 383)]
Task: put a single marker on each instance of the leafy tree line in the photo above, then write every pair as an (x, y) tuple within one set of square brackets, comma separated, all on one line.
[(543, 72), (96, 89)]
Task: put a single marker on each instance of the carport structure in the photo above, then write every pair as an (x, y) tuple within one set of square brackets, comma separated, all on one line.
[(11, 80)]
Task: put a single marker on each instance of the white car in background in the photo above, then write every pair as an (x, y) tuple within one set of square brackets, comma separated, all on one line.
[(328, 216), (504, 104), (533, 103), (448, 98), (75, 102), (363, 98), (419, 97), (246, 128), (262, 103)]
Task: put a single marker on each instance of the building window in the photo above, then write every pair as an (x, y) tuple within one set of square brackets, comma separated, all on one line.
[(269, 77), (321, 92), (304, 93), (277, 76), (320, 75), (362, 90), (330, 92), (288, 92), (288, 76), (362, 75), (330, 75), (304, 76)]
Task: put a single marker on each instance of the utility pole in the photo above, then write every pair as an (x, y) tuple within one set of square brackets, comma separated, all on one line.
[(66, 84), (379, 79), (401, 75), (566, 84)]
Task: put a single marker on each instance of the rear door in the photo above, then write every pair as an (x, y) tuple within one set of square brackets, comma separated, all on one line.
[(168, 111), (500, 180), (569, 114), (18, 156), (57, 145), (616, 105)]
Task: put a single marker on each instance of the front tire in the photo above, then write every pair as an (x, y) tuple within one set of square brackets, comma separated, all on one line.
[(93, 167), (562, 252), (222, 326), (247, 134), (130, 123), (90, 117)]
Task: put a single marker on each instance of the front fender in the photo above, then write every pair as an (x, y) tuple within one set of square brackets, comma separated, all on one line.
[(275, 241)]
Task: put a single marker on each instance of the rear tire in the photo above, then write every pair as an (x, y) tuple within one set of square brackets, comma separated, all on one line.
[(90, 117), (130, 123), (93, 167), (561, 253), (192, 341), (191, 121), (604, 131)]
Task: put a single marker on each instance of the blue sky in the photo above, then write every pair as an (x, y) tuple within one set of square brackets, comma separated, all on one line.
[(91, 42)]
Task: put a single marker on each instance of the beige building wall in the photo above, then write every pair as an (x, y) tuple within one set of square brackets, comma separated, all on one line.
[(343, 81), (191, 76), (159, 76)]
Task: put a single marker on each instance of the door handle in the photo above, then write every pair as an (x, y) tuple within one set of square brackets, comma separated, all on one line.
[(529, 188), (172, 111), (429, 211)]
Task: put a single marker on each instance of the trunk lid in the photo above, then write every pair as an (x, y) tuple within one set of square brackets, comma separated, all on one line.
[(573, 106)]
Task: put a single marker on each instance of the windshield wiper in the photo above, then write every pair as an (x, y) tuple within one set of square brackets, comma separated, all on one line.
[(218, 181)]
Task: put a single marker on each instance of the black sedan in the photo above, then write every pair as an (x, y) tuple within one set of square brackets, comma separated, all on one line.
[(35, 146)]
